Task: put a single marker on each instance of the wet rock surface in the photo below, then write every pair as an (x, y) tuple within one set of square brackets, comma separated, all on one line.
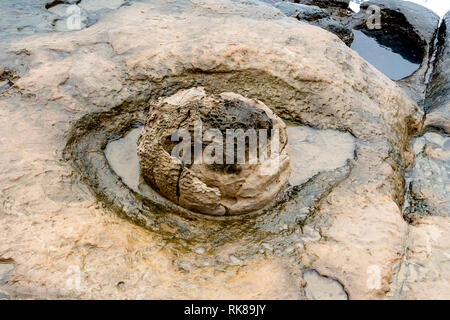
[(301, 11), (6, 266), (314, 151), (438, 91), (428, 191), (424, 267), (213, 176), (428, 178), (407, 17), (21, 18), (409, 30), (325, 3), (322, 288), (318, 17), (392, 64), (107, 241), (426, 206)]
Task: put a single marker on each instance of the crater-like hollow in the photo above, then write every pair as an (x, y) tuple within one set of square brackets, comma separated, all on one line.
[(396, 54), (214, 154), (148, 160)]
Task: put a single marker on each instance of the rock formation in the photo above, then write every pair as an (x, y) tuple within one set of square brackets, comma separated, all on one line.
[(438, 93), (73, 92), (318, 17), (325, 3), (409, 29), (427, 205), (220, 183)]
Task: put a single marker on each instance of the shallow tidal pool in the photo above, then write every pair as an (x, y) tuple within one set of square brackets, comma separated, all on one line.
[(392, 64), (312, 151)]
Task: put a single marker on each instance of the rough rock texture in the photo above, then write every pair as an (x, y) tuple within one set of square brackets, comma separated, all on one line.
[(438, 91), (421, 19), (424, 270), (55, 183), (318, 17), (428, 178), (301, 11), (220, 184), (411, 25), (425, 265), (23, 17), (322, 288), (314, 151)]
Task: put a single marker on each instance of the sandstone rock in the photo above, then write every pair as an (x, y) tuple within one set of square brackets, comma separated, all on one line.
[(428, 192), (438, 91), (314, 151), (222, 183), (425, 262), (21, 18), (424, 270), (322, 288), (301, 11), (55, 180)]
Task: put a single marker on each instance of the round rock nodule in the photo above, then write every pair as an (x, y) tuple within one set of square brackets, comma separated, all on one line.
[(199, 181)]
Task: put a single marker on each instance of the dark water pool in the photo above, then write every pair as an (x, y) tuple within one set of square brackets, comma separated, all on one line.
[(394, 63)]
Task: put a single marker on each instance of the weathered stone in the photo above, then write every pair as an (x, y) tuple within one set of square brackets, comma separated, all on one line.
[(21, 18), (95, 5), (408, 29), (318, 17), (325, 3), (55, 180), (314, 151), (438, 91), (221, 184), (423, 269), (343, 31), (322, 288), (301, 11)]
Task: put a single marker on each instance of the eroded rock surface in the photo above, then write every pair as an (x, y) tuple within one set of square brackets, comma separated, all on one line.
[(428, 179), (425, 263), (325, 3), (319, 17), (214, 177), (424, 270), (322, 288), (408, 29), (438, 91), (55, 180)]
